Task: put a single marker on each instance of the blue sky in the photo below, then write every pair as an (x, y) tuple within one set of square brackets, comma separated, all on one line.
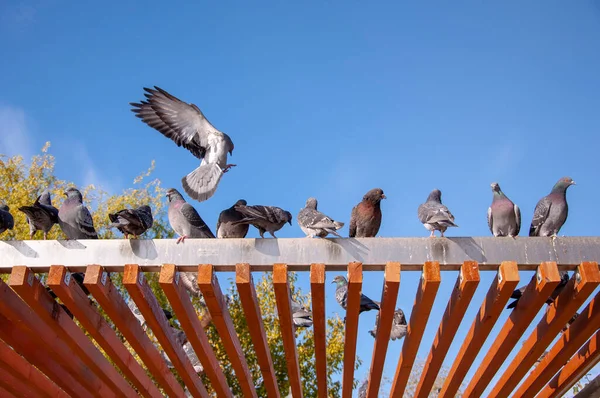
[(326, 99)]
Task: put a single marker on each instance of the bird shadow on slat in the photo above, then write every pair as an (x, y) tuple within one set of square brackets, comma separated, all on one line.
[(22, 248), (268, 246), (144, 248), (72, 244), (354, 247), (441, 246)]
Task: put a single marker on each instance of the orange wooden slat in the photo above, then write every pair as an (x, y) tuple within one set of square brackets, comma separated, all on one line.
[(188, 318), (17, 386), (247, 292), (317, 288), (416, 327), (569, 342), (12, 362), (215, 302), (284, 309), (99, 284), (80, 306), (491, 308), (40, 356), (577, 367), (389, 295), (534, 297), (142, 295), (24, 282), (5, 393), (351, 329), (575, 293), (464, 289), (31, 324)]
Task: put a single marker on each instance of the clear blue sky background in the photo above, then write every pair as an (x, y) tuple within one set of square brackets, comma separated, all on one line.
[(326, 99)]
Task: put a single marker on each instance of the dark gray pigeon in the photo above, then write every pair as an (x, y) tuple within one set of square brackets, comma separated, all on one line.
[(341, 295), (132, 221), (41, 216), (301, 316), (265, 218), (6, 219), (552, 210), (503, 216), (186, 126), (74, 218), (518, 293), (365, 218), (224, 227), (399, 325), (314, 223), (184, 219), (434, 215)]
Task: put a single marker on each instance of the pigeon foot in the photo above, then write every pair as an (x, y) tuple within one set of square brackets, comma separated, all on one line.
[(181, 239)]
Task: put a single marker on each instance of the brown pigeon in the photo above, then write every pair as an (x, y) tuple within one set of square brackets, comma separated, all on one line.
[(365, 219)]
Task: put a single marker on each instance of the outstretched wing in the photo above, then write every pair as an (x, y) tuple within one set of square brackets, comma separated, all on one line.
[(183, 123), (258, 212)]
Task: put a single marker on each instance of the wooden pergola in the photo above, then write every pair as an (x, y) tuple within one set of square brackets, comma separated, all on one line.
[(44, 353)]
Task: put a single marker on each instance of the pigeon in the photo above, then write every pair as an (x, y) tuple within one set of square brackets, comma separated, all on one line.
[(41, 216), (434, 215), (132, 221), (314, 223), (6, 219), (264, 218), (184, 219), (186, 125), (138, 315), (362, 389), (224, 227), (341, 295), (189, 351), (517, 293), (551, 211), (503, 216), (365, 219), (74, 218), (301, 316), (399, 326)]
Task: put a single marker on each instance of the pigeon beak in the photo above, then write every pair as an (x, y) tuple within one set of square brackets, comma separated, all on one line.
[(573, 183), (290, 222), (383, 196)]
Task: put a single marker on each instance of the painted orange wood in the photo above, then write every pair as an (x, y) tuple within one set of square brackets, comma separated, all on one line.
[(418, 321), (254, 320), (498, 295), (317, 289), (191, 325), (351, 330), (112, 303)]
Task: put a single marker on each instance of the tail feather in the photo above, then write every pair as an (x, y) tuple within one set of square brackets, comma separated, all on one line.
[(202, 183), (338, 224), (332, 231)]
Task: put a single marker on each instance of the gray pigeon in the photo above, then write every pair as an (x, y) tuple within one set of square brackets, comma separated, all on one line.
[(434, 215), (301, 316), (365, 218), (314, 223), (74, 218), (503, 216), (41, 216), (552, 210), (132, 221), (6, 219), (341, 295), (264, 218), (186, 126), (189, 351), (517, 293), (362, 389), (184, 219), (224, 227), (399, 326)]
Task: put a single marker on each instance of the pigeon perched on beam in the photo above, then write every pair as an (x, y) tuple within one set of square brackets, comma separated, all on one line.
[(6, 219), (184, 219), (518, 293), (314, 223), (365, 218), (41, 216), (434, 215), (399, 326), (265, 218), (225, 228), (503, 216), (301, 317), (341, 295), (552, 210), (186, 125), (132, 221), (74, 218)]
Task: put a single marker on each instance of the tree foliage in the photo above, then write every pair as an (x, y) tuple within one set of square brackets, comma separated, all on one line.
[(21, 183)]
